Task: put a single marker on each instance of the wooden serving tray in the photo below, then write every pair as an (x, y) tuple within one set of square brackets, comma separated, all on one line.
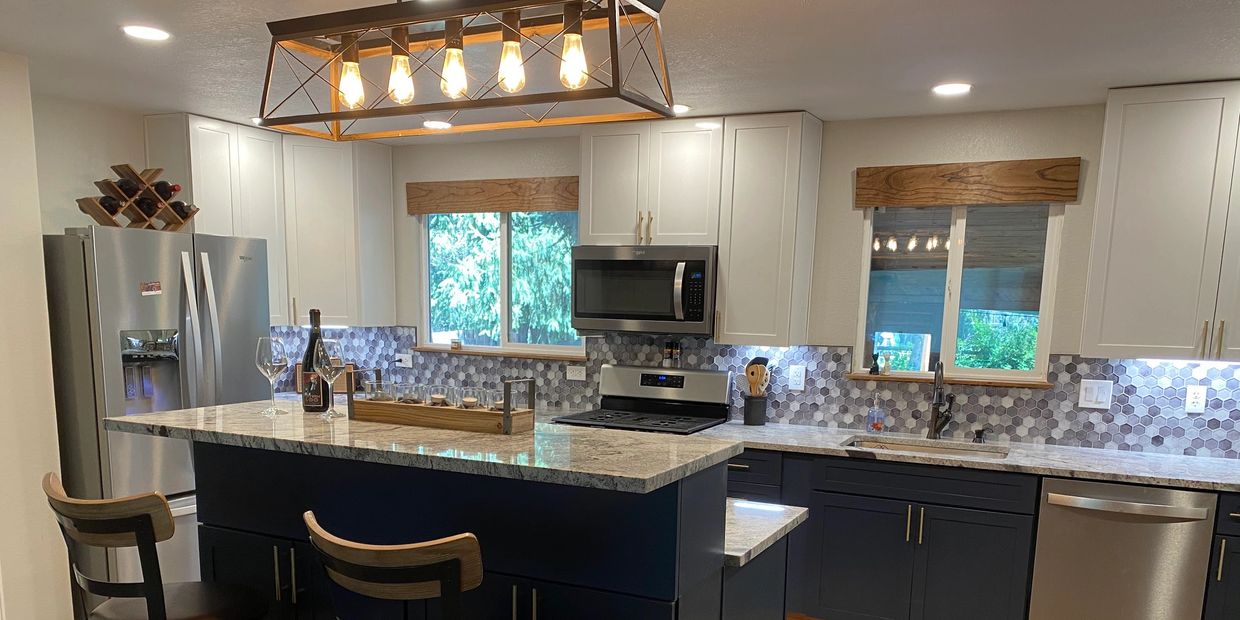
[(476, 420)]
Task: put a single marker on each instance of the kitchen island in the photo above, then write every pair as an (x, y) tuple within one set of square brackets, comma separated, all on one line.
[(574, 522)]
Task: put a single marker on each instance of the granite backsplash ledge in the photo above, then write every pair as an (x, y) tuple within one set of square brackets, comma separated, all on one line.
[(1147, 413)]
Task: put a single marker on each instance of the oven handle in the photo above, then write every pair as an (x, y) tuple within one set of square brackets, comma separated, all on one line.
[(678, 291)]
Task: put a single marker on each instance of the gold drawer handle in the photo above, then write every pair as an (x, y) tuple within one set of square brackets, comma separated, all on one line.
[(738, 467)]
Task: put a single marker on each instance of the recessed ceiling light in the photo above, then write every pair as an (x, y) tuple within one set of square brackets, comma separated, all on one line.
[(707, 125), (146, 33), (681, 108), (256, 120), (952, 89), (437, 125)]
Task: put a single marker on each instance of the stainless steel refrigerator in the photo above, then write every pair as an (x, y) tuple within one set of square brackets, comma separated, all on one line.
[(146, 321)]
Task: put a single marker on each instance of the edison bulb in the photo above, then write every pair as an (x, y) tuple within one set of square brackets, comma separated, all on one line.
[(877, 244), (912, 243), (573, 70), (352, 92), (400, 80), (891, 244), (511, 69), (455, 82)]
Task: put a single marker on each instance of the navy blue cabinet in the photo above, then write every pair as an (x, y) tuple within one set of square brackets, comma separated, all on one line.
[(1223, 591), (971, 564), (755, 475)]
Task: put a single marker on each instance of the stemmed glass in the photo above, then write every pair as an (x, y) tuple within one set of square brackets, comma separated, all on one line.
[(272, 361), (329, 363)]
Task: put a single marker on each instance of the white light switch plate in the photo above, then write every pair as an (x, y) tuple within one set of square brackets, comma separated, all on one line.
[(796, 378), (404, 360), (1095, 394), (1195, 401), (575, 373)]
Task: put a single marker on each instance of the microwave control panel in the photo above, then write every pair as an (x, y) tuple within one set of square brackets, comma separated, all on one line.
[(695, 295)]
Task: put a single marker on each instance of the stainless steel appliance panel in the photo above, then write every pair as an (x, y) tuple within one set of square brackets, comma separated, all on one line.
[(234, 302), (136, 282), (651, 289), (1121, 552), (697, 386)]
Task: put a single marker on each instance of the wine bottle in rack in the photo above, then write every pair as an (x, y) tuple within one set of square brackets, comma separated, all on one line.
[(110, 204), (165, 189), (127, 187), (147, 206), (316, 394), (180, 208)]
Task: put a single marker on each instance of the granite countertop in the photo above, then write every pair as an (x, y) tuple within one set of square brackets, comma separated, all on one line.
[(554, 453), (1169, 470), (752, 527)]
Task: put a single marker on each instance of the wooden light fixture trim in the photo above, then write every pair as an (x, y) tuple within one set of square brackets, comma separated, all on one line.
[(1011, 182)]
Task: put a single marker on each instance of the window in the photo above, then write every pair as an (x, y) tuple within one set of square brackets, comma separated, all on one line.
[(963, 285), (500, 279)]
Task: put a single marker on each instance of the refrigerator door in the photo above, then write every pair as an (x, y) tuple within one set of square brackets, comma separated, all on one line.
[(234, 302), (143, 352)]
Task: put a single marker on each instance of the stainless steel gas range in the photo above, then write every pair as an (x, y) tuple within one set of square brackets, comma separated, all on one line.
[(665, 400)]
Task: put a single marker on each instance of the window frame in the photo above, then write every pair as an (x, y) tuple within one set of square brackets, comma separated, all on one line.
[(951, 305), (517, 349)]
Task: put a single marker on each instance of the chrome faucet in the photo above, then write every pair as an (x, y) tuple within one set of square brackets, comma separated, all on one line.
[(940, 405)]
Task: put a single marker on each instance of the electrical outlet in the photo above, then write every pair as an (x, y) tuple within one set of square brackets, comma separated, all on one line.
[(1095, 394), (575, 373), (796, 378), (1195, 400), (404, 360)]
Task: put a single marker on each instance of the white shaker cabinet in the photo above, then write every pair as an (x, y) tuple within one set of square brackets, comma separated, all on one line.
[(614, 184), (339, 210), (261, 213), (1164, 274), (768, 213)]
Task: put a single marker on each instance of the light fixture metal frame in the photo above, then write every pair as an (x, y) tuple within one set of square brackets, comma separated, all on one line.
[(306, 35)]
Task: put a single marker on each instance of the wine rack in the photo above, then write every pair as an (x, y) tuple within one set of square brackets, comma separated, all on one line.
[(129, 215)]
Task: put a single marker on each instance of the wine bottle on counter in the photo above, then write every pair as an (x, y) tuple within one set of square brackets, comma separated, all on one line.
[(316, 394)]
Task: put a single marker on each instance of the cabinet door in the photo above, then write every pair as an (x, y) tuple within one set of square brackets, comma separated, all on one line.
[(559, 602), (261, 180), (861, 559), (614, 184), (1226, 334), (319, 209), (499, 597), (686, 157), (1223, 591), (758, 209), (213, 175), (257, 562), (970, 564), (1164, 185)]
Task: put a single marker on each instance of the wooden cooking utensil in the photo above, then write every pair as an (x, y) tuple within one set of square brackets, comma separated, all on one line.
[(755, 374)]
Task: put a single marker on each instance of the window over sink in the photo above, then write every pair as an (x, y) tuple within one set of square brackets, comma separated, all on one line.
[(971, 286), (500, 280)]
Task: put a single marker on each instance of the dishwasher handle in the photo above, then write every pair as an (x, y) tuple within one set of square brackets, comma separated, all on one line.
[(1184, 513)]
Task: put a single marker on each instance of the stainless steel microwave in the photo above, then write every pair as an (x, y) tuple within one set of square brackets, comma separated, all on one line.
[(658, 289)]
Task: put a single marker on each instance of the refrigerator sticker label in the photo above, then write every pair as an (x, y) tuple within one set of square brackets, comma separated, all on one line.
[(151, 288)]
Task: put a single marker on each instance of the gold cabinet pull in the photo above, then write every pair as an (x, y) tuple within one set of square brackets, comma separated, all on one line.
[(1218, 348), (921, 524), (514, 602), (275, 565), (1205, 336), (1222, 557), (738, 467), (534, 603), (649, 221), (639, 228), (908, 524), (292, 567)]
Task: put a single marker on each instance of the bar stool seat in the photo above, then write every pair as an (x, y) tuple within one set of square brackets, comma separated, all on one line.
[(139, 521)]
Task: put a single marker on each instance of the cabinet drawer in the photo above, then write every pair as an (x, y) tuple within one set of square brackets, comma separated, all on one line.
[(947, 486), (1229, 514), (756, 466), (754, 492)]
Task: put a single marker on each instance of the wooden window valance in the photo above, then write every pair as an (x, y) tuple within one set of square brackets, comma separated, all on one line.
[(491, 195), (1014, 182)]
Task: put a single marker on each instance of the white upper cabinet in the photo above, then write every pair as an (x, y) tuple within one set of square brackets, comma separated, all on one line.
[(1164, 275), (337, 196), (614, 184), (686, 158), (213, 169), (768, 212), (261, 212)]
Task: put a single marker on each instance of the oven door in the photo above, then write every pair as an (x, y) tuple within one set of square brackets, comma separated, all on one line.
[(651, 289)]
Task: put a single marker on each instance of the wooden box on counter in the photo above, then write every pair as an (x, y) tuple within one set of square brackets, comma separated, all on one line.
[(476, 420)]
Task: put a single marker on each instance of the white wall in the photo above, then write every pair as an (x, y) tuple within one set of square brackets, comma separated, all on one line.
[(77, 142), (462, 162), (1026, 134), (33, 572)]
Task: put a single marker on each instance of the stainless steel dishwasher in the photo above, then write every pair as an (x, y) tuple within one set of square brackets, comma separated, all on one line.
[(1121, 552)]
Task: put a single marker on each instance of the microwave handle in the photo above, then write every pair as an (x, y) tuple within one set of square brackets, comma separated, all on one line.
[(678, 291)]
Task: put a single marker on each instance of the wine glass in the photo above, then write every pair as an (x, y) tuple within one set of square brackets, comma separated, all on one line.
[(328, 364), (272, 361)]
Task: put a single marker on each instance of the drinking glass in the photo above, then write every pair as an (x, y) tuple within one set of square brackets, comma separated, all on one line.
[(328, 364), (272, 361)]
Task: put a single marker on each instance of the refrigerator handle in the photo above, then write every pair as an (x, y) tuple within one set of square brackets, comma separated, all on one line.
[(195, 329), (213, 314)]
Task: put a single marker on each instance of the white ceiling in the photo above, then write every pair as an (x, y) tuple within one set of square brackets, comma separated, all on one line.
[(838, 59)]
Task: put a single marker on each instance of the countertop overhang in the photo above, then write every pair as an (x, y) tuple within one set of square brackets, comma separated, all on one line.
[(552, 453), (752, 527)]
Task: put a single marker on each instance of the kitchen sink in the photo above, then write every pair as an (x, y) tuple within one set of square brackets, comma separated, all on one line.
[(927, 446)]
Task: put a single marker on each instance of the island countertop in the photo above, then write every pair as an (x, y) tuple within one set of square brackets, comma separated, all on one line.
[(553, 453)]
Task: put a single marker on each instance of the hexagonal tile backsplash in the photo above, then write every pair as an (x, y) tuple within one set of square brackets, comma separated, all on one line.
[(1147, 413)]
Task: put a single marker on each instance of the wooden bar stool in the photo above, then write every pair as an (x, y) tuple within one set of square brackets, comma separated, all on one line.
[(442, 568), (139, 521)]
